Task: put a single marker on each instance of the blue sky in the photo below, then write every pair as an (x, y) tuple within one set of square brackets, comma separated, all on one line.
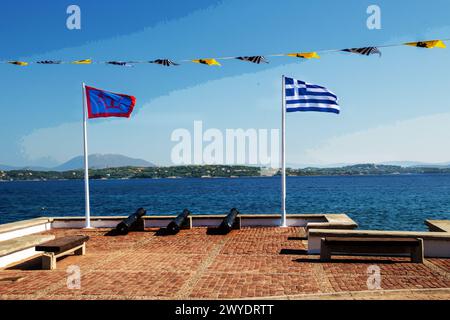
[(394, 108)]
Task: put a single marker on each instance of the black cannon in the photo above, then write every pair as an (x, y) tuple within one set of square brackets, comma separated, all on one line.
[(176, 224), (229, 221), (131, 222)]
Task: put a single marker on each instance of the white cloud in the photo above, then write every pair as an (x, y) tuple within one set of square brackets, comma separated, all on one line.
[(423, 139)]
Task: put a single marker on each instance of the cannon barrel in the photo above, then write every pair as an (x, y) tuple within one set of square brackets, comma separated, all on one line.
[(125, 226), (176, 224), (229, 221)]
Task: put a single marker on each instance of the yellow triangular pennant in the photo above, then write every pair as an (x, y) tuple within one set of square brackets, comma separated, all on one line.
[(209, 62), (18, 63), (428, 44), (85, 61), (304, 55)]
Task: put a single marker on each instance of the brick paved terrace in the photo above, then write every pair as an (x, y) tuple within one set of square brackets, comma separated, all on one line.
[(247, 263)]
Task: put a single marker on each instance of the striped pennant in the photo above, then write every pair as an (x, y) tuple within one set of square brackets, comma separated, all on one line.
[(49, 62), (366, 51), (119, 63), (254, 59), (209, 62), (164, 62)]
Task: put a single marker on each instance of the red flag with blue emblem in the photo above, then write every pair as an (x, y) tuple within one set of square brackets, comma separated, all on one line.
[(103, 104)]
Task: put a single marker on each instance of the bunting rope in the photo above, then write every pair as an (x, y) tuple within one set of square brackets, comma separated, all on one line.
[(366, 51)]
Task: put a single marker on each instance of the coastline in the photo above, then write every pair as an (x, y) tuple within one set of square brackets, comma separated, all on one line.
[(235, 177), (216, 172)]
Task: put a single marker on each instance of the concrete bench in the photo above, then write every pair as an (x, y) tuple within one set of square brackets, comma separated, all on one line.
[(371, 246), (20, 248), (333, 221), (61, 247), (23, 228), (436, 244), (438, 225)]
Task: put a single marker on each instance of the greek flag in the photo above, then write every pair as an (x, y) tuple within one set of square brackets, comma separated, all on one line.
[(302, 96)]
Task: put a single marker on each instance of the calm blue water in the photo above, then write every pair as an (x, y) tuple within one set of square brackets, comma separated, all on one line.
[(387, 202)]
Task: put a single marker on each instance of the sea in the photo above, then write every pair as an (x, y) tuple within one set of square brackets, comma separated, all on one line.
[(389, 202)]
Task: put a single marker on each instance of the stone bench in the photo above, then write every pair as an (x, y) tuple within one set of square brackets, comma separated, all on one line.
[(23, 228), (61, 247), (333, 221), (371, 246), (21, 248), (436, 244), (438, 225)]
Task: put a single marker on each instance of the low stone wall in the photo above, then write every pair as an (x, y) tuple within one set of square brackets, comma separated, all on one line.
[(340, 221)]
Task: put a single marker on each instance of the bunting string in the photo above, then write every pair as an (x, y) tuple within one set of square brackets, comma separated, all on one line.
[(365, 51)]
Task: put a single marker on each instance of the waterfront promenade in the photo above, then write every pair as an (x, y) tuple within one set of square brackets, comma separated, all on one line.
[(248, 263)]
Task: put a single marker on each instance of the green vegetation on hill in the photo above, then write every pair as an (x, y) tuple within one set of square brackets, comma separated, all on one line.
[(365, 169), (136, 173), (213, 171)]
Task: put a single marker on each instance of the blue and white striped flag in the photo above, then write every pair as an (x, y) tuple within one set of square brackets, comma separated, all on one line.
[(302, 96)]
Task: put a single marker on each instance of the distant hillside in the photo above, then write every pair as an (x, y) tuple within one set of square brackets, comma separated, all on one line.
[(7, 168), (405, 164), (103, 161), (10, 168), (417, 164), (212, 171), (367, 169)]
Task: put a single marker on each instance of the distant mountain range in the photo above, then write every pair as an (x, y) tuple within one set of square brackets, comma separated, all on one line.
[(33, 168), (407, 164), (404, 164), (96, 161)]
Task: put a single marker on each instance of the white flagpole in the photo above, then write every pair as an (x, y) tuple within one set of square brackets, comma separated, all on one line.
[(86, 163), (283, 155)]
